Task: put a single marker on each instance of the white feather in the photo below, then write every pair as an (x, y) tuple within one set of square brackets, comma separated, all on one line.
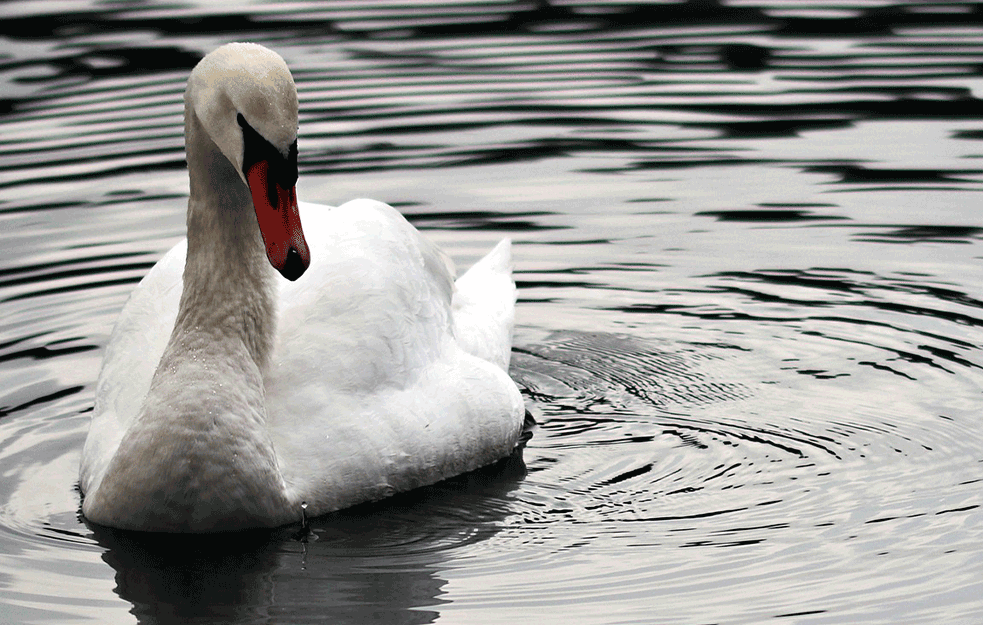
[(373, 373)]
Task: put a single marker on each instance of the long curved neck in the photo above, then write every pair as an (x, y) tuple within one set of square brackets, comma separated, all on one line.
[(229, 285), (198, 456)]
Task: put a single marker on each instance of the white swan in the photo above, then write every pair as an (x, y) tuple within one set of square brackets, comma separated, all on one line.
[(231, 398)]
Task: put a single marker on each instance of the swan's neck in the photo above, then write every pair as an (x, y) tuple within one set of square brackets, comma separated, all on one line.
[(198, 456), (229, 286)]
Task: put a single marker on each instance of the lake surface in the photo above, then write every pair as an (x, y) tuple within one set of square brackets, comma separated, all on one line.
[(749, 251)]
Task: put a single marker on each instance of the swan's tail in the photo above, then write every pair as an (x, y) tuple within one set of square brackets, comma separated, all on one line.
[(484, 307)]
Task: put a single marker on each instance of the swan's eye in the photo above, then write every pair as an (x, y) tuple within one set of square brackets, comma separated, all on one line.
[(290, 170), (281, 171)]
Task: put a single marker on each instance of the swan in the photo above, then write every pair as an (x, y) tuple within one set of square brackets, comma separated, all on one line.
[(289, 359)]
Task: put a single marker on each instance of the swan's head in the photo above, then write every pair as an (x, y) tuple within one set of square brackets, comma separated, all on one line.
[(245, 99)]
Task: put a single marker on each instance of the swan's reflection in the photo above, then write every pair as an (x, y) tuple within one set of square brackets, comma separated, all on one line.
[(374, 563)]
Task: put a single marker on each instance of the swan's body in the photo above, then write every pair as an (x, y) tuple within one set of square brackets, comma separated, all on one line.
[(230, 397)]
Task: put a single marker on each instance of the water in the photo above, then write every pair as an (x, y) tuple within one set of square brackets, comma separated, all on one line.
[(747, 241)]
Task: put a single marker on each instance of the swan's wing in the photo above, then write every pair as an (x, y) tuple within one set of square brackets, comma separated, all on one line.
[(369, 392), (374, 306), (460, 414), (134, 349), (484, 307)]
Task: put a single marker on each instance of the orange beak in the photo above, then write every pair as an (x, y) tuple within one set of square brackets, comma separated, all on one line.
[(279, 222)]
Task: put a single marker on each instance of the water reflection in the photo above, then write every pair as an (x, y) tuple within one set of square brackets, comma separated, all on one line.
[(375, 563)]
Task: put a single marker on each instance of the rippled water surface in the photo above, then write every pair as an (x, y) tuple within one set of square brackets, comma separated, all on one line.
[(748, 241)]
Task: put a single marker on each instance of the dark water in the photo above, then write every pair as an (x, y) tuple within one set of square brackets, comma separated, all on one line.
[(748, 245)]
